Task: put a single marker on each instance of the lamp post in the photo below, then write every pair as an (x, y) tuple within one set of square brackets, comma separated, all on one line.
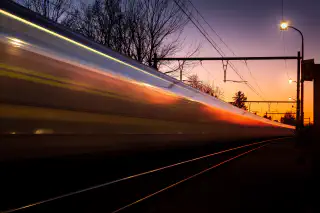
[(285, 26)]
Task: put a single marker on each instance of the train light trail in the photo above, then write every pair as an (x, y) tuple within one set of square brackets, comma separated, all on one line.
[(5, 13), (16, 42), (43, 131), (147, 85)]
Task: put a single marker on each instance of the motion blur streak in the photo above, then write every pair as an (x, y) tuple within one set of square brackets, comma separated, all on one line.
[(62, 97), (72, 41), (27, 112), (16, 42)]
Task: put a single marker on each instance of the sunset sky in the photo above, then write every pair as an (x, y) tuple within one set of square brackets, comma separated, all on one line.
[(251, 28)]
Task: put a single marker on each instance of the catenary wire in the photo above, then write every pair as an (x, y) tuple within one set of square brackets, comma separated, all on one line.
[(220, 38), (219, 51)]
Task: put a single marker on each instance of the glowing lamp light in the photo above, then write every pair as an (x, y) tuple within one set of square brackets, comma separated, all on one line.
[(290, 81), (290, 98), (284, 25)]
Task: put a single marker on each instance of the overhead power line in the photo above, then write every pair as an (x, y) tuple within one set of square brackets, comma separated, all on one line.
[(220, 38), (202, 32), (284, 43), (216, 47), (282, 8)]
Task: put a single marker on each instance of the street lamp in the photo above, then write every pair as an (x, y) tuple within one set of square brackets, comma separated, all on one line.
[(284, 25), (290, 81)]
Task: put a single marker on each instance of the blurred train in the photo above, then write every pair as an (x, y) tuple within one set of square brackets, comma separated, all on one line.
[(62, 94)]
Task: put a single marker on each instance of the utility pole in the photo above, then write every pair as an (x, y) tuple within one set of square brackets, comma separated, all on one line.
[(302, 82), (285, 26), (298, 91)]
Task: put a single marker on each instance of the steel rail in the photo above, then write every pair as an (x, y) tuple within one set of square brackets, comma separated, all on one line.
[(135, 176), (188, 178)]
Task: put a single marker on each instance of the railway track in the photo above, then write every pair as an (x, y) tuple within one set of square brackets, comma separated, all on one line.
[(126, 188)]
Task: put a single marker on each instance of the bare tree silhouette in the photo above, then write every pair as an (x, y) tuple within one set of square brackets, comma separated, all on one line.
[(194, 82), (139, 29), (55, 10)]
